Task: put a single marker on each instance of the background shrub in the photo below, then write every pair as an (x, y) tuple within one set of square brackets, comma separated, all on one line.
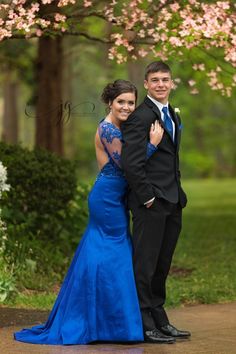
[(42, 185), (42, 195)]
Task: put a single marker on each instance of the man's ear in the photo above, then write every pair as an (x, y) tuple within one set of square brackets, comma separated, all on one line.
[(145, 84)]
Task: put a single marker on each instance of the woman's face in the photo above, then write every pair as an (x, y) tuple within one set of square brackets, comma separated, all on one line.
[(122, 106)]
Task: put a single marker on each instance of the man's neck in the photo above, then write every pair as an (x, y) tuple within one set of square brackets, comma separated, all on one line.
[(157, 103)]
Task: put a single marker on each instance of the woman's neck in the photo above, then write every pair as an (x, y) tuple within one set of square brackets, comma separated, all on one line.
[(111, 119)]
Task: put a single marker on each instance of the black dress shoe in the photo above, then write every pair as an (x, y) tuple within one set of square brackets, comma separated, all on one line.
[(156, 336), (170, 330)]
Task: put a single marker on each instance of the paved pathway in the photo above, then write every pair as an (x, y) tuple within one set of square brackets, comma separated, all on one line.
[(213, 330)]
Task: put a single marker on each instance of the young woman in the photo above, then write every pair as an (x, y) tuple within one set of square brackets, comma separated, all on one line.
[(98, 299)]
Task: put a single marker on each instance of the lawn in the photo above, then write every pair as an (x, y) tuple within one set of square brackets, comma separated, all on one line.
[(205, 259)]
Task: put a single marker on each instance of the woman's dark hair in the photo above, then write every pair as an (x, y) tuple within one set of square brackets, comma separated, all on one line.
[(112, 90)]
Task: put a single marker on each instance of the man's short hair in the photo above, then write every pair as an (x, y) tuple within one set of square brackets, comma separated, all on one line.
[(155, 67)]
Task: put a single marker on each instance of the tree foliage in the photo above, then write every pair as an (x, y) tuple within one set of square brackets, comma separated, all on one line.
[(182, 30)]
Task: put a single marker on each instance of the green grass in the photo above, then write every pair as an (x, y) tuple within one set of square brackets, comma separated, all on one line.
[(39, 301), (207, 245), (205, 254)]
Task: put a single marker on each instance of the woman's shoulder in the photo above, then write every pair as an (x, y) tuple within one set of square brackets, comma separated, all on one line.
[(143, 108), (109, 131), (142, 116)]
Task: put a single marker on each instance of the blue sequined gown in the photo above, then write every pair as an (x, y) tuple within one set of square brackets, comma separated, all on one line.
[(98, 299)]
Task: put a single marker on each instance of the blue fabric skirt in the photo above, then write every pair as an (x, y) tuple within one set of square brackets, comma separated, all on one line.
[(98, 299)]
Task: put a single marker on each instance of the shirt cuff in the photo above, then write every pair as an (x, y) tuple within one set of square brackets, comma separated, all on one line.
[(149, 201)]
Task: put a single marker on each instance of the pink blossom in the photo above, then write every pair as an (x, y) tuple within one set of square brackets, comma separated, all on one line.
[(39, 33), (121, 58), (175, 7), (200, 67), (223, 4), (143, 53), (87, 3), (59, 18), (194, 91), (112, 53), (156, 37), (65, 2), (163, 37), (191, 82), (177, 80), (175, 41), (35, 7), (45, 2), (19, 2), (228, 91), (4, 7), (231, 56), (141, 33)]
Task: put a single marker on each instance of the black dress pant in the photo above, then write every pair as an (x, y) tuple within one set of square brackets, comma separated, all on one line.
[(155, 234)]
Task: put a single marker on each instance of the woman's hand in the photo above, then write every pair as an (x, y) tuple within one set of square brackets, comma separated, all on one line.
[(156, 133)]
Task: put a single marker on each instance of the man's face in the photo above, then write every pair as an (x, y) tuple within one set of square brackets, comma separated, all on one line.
[(159, 85)]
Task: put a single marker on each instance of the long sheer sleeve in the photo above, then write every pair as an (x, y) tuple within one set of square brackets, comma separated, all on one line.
[(111, 139), (150, 150)]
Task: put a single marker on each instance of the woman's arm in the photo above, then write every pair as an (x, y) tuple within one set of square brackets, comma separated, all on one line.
[(155, 136)]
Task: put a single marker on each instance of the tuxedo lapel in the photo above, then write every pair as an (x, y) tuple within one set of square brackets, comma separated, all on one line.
[(177, 126), (152, 105), (155, 109)]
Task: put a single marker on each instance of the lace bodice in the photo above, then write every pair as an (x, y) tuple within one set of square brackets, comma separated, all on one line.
[(111, 139)]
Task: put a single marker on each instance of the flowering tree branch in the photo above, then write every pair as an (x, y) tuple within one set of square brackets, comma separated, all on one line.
[(167, 29)]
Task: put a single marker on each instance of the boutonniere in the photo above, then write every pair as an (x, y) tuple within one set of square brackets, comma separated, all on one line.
[(177, 110)]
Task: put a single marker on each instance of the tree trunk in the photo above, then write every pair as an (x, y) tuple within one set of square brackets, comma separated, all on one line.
[(10, 109), (49, 109), (136, 71), (70, 129)]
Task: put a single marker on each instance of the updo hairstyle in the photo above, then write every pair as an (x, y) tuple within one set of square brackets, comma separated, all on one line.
[(112, 90)]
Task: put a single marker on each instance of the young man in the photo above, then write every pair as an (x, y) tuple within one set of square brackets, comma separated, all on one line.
[(155, 198)]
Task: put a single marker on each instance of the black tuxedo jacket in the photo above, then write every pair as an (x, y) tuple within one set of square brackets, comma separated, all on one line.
[(159, 175)]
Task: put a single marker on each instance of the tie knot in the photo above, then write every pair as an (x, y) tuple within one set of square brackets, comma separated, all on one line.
[(165, 110)]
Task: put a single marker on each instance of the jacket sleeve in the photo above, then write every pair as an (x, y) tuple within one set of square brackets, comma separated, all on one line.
[(133, 156)]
